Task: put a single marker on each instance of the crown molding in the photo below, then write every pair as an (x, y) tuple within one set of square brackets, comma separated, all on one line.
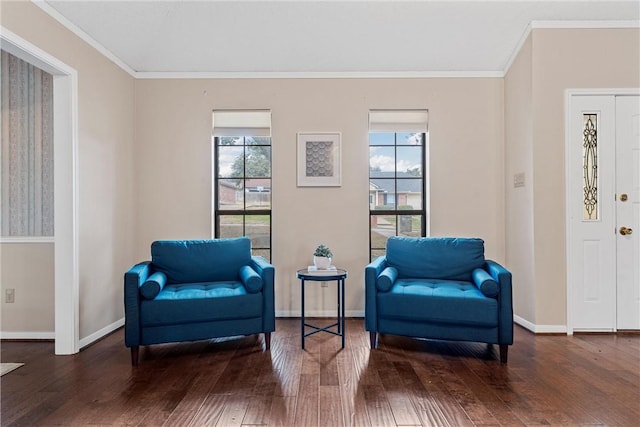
[(535, 25), (320, 75), (42, 4), (585, 24)]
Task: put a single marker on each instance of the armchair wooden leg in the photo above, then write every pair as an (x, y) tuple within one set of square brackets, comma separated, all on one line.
[(267, 340), (134, 355), (504, 349), (373, 338)]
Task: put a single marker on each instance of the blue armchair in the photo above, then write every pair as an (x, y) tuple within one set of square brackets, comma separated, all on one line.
[(198, 289), (439, 288)]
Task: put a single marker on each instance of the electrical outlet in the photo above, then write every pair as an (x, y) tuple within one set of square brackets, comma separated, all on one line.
[(10, 296), (324, 284)]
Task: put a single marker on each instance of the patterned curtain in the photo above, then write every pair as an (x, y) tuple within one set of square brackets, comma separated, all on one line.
[(27, 149)]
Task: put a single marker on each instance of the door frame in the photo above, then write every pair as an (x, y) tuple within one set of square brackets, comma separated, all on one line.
[(570, 94), (65, 155)]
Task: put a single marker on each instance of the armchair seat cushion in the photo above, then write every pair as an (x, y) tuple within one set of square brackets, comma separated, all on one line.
[(448, 302), (200, 302)]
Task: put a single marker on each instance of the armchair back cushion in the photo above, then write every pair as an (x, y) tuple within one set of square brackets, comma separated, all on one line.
[(435, 258), (197, 261)]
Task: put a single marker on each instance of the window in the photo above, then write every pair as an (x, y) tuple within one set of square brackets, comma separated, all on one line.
[(397, 177), (26, 207), (242, 177)]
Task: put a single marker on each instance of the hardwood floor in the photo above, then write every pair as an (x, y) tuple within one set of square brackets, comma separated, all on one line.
[(550, 380)]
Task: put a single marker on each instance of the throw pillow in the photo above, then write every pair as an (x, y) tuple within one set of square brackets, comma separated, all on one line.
[(251, 280), (386, 278), (154, 284), (485, 283)]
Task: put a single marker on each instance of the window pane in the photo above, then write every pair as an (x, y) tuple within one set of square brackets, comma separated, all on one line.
[(230, 140), (258, 161), (230, 194), (409, 139), (410, 225), (382, 227), (590, 166), (396, 187), (264, 253), (375, 253), (230, 161), (258, 140), (230, 226), (381, 139), (382, 161), (382, 193), (409, 161), (258, 193), (257, 227), (409, 194)]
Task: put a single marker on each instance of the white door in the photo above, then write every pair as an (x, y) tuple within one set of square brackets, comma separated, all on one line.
[(628, 211), (590, 193), (603, 207)]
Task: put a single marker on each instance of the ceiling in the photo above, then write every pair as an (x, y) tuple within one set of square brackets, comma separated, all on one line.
[(305, 36)]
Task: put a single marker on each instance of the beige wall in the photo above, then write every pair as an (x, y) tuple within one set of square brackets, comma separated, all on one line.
[(519, 201), (173, 170), (27, 268), (550, 62), (105, 174), (566, 59)]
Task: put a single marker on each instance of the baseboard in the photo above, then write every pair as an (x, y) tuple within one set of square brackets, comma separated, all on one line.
[(86, 341), (28, 336), (540, 329), (316, 313)]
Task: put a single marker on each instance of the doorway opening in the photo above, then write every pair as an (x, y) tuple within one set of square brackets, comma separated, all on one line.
[(65, 108)]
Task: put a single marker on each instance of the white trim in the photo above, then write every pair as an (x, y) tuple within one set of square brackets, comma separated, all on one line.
[(318, 313), (27, 335), (83, 36), (568, 96), (567, 209), (67, 277), (516, 49), (86, 341), (27, 239), (586, 24), (319, 75), (599, 91), (539, 329), (17, 46)]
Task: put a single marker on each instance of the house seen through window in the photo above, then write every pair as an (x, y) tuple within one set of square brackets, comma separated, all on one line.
[(242, 178), (397, 177)]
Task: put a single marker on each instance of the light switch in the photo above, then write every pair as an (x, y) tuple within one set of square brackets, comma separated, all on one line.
[(518, 180)]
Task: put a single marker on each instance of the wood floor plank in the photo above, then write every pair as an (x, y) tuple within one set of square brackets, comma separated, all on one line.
[(330, 406), (378, 408), (307, 403), (585, 379)]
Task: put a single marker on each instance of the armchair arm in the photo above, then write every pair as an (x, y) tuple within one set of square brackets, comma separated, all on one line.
[(371, 273), (267, 272), (505, 301), (133, 279)]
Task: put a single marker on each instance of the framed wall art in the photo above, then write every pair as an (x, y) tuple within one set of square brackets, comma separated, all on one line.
[(319, 160)]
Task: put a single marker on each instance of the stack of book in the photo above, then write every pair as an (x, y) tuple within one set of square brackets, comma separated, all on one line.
[(312, 269)]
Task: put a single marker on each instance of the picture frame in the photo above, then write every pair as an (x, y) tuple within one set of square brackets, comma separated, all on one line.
[(319, 163)]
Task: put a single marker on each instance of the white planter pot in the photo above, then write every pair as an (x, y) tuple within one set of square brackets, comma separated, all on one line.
[(321, 263)]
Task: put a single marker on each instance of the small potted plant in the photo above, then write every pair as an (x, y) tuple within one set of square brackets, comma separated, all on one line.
[(322, 257)]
